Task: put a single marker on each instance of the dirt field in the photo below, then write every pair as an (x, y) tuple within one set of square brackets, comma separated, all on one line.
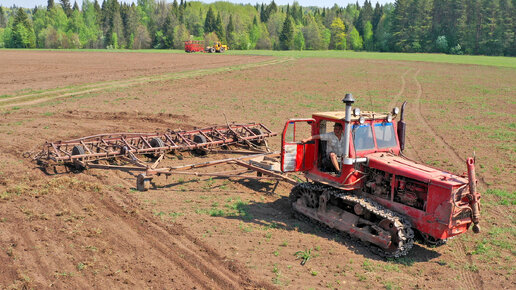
[(94, 229)]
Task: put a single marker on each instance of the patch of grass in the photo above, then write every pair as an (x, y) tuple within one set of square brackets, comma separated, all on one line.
[(367, 265), (361, 277), (81, 266), (284, 244), (482, 248), (506, 198), (390, 285), (216, 212), (277, 278), (244, 228), (314, 273)]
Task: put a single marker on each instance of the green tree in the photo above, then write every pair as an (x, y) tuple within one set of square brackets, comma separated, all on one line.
[(313, 40), (3, 18), (23, 35), (180, 35), (286, 37), (219, 28), (299, 41), (67, 7), (92, 33), (441, 44), (50, 4), (338, 34), (230, 32), (355, 40), (368, 36), (210, 23)]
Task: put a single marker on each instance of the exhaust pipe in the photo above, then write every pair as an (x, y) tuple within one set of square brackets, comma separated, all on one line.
[(348, 100), (401, 128), (474, 195)]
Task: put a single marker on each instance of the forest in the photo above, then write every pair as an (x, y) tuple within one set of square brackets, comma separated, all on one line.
[(477, 27)]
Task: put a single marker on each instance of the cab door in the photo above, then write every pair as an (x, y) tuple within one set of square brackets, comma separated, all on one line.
[(294, 155)]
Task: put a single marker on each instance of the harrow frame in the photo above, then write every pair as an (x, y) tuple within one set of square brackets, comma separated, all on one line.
[(87, 152)]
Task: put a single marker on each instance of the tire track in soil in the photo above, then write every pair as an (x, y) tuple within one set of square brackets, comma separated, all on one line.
[(201, 263), (115, 84), (470, 280), (393, 102)]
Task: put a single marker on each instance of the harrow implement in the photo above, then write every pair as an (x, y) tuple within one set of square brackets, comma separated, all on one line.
[(89, 149), (124, 151)]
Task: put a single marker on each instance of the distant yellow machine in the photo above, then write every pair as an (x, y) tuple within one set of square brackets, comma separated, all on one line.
[(217, 47)]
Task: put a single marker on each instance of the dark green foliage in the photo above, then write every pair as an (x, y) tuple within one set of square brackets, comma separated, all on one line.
[(210, 22), (50, 4), (67, 7), (287, 34), (219, 29), (3, 18)]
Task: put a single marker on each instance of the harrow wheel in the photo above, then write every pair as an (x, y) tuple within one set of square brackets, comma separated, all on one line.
[(257, 142), (156, 142), (199, 139), (78, 150)]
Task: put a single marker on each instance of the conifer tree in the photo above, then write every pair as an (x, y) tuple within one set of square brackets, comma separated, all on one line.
[(287, 34), (219, 28), (50, 4), (67, 7), (23, 35), (3, 18), (210, 23)]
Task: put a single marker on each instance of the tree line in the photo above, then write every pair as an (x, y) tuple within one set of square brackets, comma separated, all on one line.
[(446, 26)]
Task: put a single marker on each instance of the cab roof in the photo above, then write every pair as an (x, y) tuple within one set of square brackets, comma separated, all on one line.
[(339, 116)]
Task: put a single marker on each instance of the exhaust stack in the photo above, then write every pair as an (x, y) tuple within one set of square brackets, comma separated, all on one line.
[(401, 128), (348, 100)]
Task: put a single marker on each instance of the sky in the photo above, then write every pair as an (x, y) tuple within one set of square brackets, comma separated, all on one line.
[(320, 3)]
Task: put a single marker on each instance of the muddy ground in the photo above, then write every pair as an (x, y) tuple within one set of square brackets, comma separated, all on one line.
[(94, 229)]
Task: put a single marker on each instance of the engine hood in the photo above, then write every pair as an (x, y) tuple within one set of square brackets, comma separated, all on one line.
[(402, 166)]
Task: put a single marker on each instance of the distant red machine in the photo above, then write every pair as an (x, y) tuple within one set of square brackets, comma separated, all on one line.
[(194, 46)]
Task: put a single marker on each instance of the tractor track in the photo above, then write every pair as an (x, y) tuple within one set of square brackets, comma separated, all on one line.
[(471, 279), (59, 93)]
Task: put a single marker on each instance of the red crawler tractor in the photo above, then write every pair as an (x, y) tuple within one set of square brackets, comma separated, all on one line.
[(379, 196)]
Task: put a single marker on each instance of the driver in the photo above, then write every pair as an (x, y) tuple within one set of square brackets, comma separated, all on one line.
[(334, 145)]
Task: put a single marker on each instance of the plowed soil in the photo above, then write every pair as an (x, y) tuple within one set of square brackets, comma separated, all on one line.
[(93, 229)]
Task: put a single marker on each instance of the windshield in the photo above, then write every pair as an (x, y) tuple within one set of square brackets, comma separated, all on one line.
[(385, 136), (363, 137)]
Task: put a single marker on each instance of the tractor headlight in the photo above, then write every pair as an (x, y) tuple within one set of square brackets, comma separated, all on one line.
[(361, 120), (389, 118), (356, 112), (395, 111)]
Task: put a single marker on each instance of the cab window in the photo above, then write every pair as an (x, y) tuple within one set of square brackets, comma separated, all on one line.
[(363, 137), (385, 137)]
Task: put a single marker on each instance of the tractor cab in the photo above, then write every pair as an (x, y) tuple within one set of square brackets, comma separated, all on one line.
[(364, 133)]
